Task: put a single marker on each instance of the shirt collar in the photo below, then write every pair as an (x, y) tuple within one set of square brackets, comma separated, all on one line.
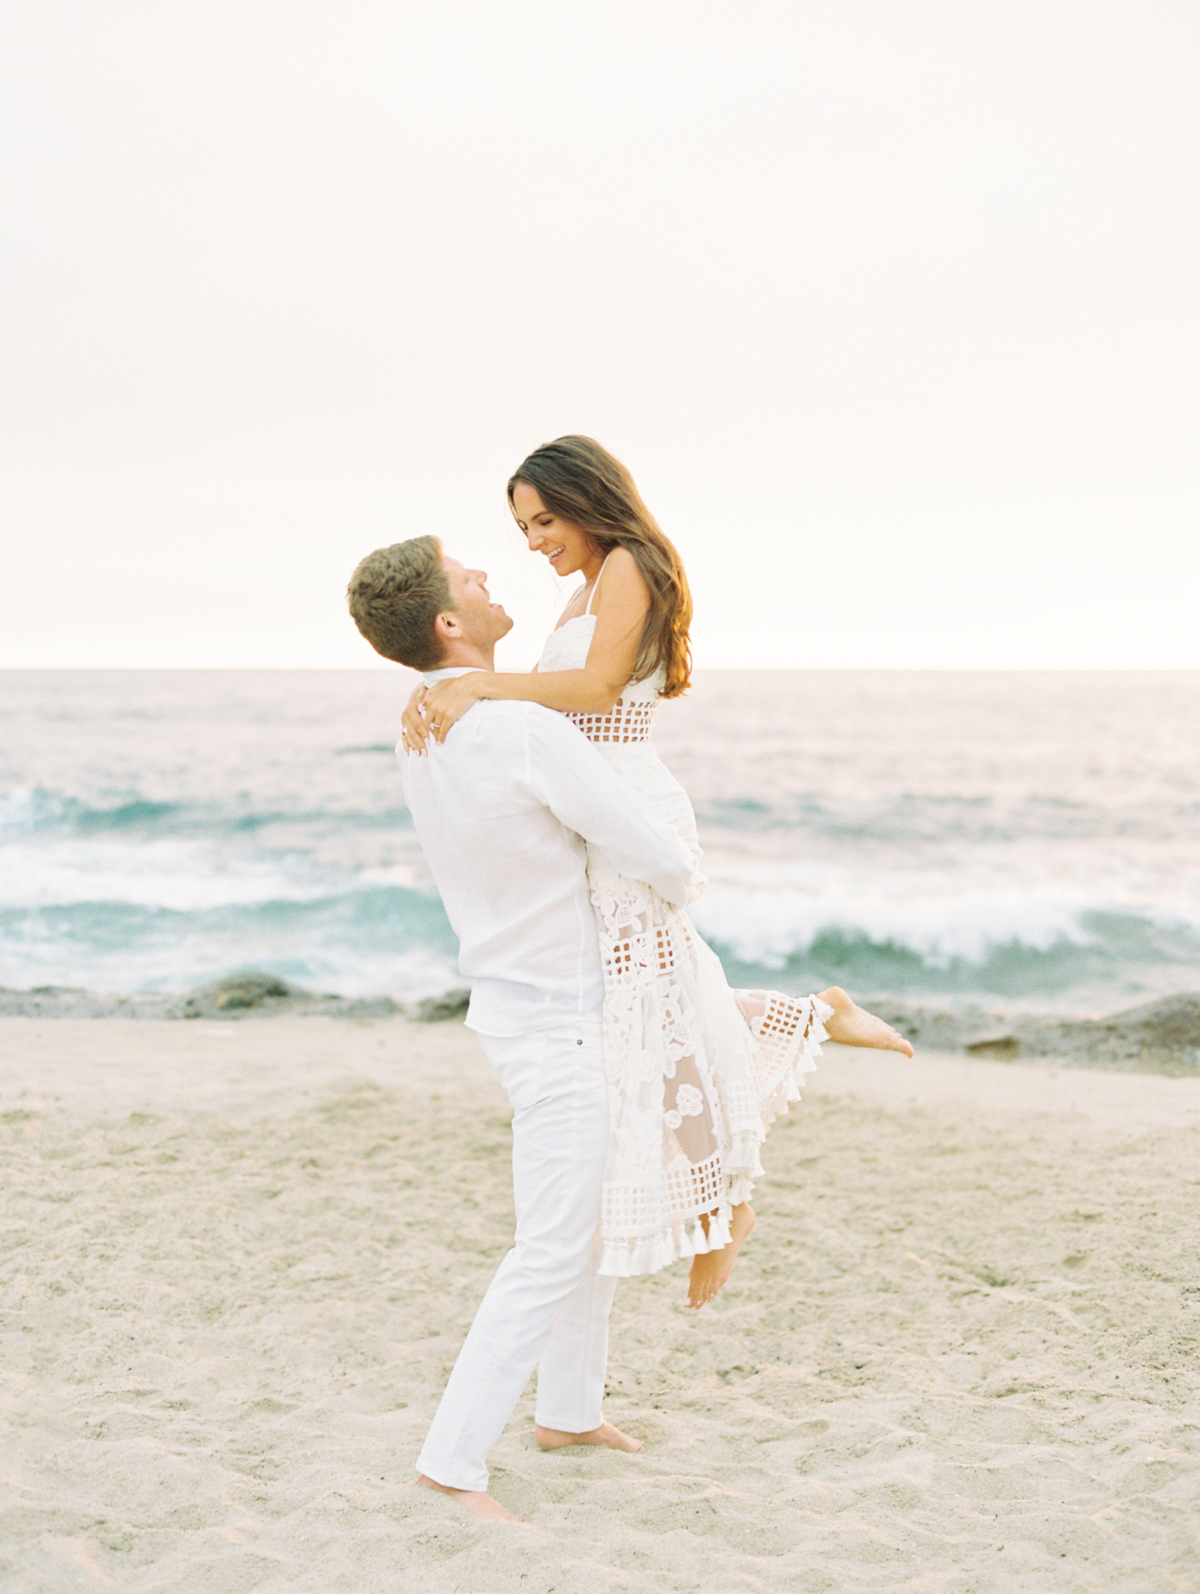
[(432, 677)]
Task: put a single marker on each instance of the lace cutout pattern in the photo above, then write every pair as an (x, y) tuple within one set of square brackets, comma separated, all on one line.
[(626, 722), (696, 1072)]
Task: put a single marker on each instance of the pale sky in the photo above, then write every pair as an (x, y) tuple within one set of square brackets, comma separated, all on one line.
[(889, 305)]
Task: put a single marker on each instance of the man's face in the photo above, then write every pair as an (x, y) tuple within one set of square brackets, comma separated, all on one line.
[(483, 622)]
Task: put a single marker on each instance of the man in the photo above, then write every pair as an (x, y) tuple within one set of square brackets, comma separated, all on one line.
[(502, 809)]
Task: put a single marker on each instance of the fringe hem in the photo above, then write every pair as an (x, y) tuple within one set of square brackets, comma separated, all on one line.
[(650, 1253)]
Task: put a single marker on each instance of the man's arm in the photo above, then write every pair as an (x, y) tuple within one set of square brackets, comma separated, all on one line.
[(582, 790)]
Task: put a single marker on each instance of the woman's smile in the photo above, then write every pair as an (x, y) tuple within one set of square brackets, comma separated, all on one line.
[(566, 547)]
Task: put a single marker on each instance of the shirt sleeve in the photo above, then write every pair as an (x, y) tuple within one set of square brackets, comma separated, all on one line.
[(582, 790)]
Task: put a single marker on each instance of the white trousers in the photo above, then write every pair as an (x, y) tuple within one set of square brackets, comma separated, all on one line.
[(547, 1306)]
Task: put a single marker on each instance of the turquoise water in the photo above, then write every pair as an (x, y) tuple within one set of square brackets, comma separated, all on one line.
[(1026, 840)]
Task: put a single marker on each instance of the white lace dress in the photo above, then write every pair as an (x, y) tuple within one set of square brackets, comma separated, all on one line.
[(696, 1071)]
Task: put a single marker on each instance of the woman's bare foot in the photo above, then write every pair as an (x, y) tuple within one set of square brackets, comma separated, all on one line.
[(712, 1270), (851, 1025), (608, 1436), (475, 1501)]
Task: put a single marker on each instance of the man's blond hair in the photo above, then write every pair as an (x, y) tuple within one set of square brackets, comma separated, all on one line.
[(396, 594)]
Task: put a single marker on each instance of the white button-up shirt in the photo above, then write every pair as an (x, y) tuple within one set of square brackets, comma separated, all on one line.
[(500, 808)]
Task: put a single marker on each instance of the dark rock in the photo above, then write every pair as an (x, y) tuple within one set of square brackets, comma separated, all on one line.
[(1004, 1046), (240, 993), (440, 1009), (242, 996), (251, 990), (1159, 1037), (1158, 1032), (68, 1001)]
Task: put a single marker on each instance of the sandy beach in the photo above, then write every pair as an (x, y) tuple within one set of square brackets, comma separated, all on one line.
[(959, 1352)]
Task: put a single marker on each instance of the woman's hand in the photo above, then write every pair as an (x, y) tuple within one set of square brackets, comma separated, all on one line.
[(441, 709), (450, 700), (415, 731)]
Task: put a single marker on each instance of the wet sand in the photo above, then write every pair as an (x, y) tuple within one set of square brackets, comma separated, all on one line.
[(960, 1351)]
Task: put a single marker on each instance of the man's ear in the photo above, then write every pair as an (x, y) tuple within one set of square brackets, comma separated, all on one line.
[(448, 626)]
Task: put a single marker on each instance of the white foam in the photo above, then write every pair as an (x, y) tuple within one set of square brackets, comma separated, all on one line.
[(179, 874), (25, 808), (941, 919), (406, 976)]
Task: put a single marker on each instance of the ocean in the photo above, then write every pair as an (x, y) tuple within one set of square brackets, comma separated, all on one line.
[(1024, 842)]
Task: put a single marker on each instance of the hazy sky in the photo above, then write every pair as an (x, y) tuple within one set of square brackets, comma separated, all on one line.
[(890, 306)]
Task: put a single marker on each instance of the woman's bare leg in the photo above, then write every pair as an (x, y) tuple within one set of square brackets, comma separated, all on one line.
[(711, 1271), (851, 1025)]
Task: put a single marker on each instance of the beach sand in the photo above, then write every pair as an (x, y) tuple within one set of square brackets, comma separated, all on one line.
[(960, 1351)]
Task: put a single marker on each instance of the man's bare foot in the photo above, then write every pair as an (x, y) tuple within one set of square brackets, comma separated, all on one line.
[(608, 1436), (712, 1270), (851, 1025), (475, 1501)]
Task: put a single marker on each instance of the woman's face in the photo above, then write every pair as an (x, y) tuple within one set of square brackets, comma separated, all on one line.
[(566, 545)]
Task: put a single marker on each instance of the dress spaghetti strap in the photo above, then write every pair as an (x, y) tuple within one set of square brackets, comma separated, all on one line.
[(595, 584)]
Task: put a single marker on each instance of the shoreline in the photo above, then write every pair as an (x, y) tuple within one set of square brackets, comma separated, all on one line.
[(1156, 1037)]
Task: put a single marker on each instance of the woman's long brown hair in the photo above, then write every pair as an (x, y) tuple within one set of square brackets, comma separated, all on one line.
[(581, 482)]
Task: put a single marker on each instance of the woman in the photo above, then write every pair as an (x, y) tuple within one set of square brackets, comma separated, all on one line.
[(697, 1072)]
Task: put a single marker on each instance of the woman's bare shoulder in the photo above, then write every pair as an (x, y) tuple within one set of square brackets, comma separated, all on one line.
[(621, 577)]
